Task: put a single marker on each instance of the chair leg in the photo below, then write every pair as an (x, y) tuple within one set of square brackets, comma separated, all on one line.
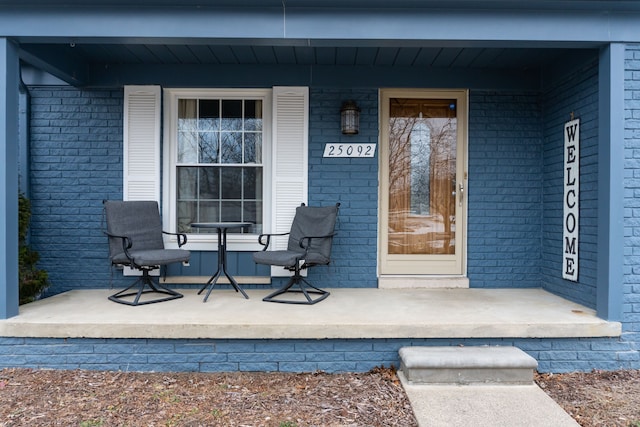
[(145, 285), (304, 288)]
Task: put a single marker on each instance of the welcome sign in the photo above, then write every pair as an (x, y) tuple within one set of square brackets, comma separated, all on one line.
[(571, 200)]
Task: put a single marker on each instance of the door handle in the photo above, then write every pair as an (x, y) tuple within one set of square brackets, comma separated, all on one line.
[(461, 193)]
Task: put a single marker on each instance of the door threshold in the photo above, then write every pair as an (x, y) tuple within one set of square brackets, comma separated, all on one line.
[(422, 282)]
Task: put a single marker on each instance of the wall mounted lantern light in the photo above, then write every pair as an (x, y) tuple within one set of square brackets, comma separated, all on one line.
[(350, 117)]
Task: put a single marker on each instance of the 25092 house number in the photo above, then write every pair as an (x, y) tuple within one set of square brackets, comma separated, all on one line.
[(349, 150)]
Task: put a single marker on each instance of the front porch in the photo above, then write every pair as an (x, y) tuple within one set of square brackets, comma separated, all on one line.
[(354, 330), (346, 314)]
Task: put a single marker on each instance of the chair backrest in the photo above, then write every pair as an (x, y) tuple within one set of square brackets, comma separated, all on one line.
[(137, 220), (314, 221)]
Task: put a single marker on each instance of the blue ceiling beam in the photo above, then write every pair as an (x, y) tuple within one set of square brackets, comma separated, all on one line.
[(134, 25), (65, 66), (303, 24), (565, 5), (315, 26)]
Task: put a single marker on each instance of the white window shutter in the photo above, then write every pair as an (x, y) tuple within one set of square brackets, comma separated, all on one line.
[(290, 160), (141, 145)]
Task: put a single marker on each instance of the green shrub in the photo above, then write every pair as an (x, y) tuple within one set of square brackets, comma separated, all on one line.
[(32, 280)]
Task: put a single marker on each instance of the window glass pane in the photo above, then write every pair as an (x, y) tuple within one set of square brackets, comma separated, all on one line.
[(252, 212), (187, 213), (187, 114), (186, 183), (422, 176), (209, 147), (209, 182), (215, 137), (187, 147), (231, 183), (231, 147), (252, 148), (420, 141), (232, 114), (231, 211), (209, 114), (252, 183), (209, 212), (252, 115)]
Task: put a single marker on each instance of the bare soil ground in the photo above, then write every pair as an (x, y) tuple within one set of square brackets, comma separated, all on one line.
[(599, 398), (88, 398), (95, 398)]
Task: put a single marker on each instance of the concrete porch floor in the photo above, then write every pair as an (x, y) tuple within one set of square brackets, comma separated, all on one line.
[(347, 313)]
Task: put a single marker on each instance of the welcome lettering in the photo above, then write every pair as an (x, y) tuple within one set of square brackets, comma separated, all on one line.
[(571, 201)]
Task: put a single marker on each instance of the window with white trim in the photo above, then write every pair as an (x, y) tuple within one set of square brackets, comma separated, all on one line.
[(219, 165), (227, 154), (217, 143)]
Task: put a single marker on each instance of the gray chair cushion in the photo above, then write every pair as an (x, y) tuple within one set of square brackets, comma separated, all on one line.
[(140, 222), (309, 221), (314, 222), (281, 258), (160, 257)]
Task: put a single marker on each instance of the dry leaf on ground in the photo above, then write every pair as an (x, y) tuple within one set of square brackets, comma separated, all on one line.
[(88, 398), (598, 398), (95, 398)]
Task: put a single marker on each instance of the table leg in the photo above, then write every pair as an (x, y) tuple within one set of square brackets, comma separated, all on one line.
[(212, 281), (222, 267)]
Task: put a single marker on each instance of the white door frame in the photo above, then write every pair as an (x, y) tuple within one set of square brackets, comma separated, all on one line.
[(414, 268)]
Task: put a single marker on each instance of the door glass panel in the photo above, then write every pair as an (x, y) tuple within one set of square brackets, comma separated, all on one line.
[(422, 176)]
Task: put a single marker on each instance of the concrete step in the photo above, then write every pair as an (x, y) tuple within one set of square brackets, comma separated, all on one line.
[(467, 365)]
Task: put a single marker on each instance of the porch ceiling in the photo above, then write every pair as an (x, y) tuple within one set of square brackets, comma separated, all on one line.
[(105, 64), (346, 314), (80, 43), (257, 54)]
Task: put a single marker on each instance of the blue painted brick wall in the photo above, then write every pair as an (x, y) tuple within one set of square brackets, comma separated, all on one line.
[(76, 162), (577, 94), (631, 298), (351, 181), (289, 355), (69, 126), (505, 189)]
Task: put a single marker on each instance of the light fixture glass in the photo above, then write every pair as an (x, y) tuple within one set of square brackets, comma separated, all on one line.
[(350, 118)]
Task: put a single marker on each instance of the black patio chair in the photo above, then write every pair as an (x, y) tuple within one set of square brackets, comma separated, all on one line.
[(309, 244), (135, 234)]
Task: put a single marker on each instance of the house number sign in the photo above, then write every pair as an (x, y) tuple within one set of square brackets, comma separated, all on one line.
[(349, 150), (571, 201)]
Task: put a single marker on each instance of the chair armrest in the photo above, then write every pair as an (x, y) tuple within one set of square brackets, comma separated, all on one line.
[(126, 243), (182, 238), (308, 239), (268, 236)]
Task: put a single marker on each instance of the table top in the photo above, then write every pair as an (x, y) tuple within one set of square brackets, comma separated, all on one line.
[(220, 224)]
